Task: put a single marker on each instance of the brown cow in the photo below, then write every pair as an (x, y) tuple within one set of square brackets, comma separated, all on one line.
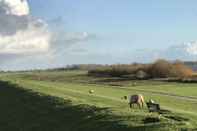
[(136, 99)]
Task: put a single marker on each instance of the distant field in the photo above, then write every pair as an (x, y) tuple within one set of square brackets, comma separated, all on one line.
[(180, 99)]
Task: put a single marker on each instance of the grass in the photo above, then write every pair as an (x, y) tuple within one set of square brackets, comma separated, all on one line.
[(60, 101), (27, 111), (185, 89)]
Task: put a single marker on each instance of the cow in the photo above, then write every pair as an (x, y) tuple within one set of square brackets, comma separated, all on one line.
[(136, 99)]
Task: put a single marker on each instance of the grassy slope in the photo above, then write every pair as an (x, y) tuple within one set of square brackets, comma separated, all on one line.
[(184, 89), (107, 96), (26, 111)]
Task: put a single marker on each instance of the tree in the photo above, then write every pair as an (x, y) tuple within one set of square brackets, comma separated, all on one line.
[(181, 70), (161, 68)]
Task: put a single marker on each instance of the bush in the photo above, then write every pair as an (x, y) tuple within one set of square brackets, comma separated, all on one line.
[(114, 70), (182, 70), (141, 75), (159, 69)]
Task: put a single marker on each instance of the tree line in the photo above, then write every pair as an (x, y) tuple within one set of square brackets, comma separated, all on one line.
[(159, 69)]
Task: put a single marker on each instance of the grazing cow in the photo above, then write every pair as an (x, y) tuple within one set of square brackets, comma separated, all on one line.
[(136, 99), (91, 91)]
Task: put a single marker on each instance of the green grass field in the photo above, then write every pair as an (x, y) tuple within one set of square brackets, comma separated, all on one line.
[(60, 101)]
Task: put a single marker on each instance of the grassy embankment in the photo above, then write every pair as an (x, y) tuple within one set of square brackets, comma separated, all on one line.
[(103, 110)]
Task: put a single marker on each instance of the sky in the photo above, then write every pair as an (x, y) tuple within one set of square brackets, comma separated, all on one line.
[(144, 24), (55, 33)]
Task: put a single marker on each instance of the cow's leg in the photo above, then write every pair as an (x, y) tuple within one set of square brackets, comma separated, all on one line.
[(142, 104), (130, 105), (139, 105)]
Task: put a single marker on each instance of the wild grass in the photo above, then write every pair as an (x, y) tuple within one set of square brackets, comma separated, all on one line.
[(59, 101)]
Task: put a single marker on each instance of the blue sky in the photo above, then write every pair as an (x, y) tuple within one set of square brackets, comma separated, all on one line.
[(128, 24), (53, 33)]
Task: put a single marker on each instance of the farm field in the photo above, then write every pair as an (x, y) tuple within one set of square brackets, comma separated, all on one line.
[(59, 100)]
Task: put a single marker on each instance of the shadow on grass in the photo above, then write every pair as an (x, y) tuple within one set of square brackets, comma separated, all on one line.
[(23, 110)]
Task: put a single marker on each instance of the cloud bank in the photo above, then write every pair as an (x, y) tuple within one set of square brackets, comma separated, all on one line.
[(19, 32), (185, 51), (27, 42)]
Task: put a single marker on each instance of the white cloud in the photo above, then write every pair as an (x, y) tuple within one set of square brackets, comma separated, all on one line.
[(16, 7), (186, 52), (19, 32), (191, 47), (62, 42), (26, 42), (31, 40)]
